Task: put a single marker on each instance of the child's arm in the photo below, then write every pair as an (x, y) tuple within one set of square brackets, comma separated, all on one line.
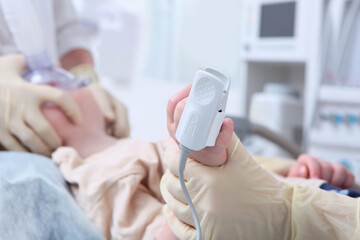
[(310, 167), (166, 233), (212, 156)]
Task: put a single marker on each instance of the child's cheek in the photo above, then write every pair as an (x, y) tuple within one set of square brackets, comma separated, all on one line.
[(58, 120)]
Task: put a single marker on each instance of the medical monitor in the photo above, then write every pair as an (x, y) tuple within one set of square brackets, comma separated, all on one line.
[(277, 30), (277, 20)]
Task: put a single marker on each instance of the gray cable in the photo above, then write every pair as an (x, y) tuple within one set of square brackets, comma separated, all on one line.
[(184, 153), (244, 127), (291, 147)]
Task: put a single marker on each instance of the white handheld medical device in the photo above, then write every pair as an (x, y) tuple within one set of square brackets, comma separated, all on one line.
[(201, 121), (205, 110)]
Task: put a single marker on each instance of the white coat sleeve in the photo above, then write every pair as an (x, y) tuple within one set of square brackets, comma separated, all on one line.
[(69, 33)]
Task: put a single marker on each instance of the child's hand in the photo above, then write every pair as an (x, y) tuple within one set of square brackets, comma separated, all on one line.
[(334, 173), (212, 156)]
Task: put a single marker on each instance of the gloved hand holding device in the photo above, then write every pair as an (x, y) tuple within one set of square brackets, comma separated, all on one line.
[(22, 125), (199, 127), (241, 200)]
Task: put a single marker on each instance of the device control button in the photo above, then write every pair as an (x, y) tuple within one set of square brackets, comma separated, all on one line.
[(205, 91)]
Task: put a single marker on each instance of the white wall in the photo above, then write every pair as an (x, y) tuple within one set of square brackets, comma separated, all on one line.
[(209, 34)]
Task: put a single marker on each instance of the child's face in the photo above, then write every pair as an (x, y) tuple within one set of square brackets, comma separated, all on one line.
[(92, 118)]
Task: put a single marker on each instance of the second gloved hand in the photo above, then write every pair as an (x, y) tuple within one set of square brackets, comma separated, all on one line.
[(22, 125), (114, 111), (240, 200)]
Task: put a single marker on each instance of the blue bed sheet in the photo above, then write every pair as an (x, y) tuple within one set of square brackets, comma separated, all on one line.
[(35, 202)]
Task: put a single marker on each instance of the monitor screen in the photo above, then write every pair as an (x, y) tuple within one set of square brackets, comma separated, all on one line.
[(277, 20)]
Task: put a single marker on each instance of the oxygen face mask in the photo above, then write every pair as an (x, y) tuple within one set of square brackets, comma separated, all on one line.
[(41, 71)]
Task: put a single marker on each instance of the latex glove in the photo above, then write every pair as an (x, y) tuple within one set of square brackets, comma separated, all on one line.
[(240, 200), (22, 125), (115, 112)]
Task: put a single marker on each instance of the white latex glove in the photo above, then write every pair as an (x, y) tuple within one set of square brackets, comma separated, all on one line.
[(114, 111), (22, 125), (240, 200)]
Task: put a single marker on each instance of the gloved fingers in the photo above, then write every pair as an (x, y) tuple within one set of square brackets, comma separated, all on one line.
[(102, 98), (43, 129), (233, 146), (179, 229), (171, 184), (121, 127), (172, 155), (115, 112), (180, 208), (62, 100), (11, 143), (29, 139), (16, 63)]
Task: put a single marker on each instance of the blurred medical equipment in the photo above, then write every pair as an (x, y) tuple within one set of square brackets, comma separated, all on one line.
[(162, 41), (201, 121), (29, 38), (279, 47), (276, 27), (334, 130), (312, 46), (278, 108), (118, 29), (245, 129), (119, 33)]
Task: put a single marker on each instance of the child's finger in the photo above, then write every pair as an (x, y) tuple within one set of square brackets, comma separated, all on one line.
[(299, 170), (303, 171), (216, 155), (174, 100), (313, 166), (225, 133), (339, 176), (326, 170), (349, 180), (178, 112)]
